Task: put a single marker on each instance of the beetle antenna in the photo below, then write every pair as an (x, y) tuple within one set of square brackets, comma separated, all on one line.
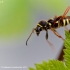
[(30, 35)]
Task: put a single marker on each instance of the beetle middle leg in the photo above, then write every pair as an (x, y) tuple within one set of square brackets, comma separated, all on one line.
[(49, 41)]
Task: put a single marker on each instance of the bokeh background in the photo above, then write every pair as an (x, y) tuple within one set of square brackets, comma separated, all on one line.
[(17, 19)]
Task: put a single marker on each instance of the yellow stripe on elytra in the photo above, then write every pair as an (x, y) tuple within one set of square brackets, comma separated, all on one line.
[(56, 21), (64, 22), (39, 25), (58, 24), (67, 21), (50, 24)]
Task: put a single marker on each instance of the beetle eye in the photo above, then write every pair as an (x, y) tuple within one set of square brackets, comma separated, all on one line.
[(38, 28)]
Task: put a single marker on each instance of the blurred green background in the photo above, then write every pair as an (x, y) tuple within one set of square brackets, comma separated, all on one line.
[(16, 16)]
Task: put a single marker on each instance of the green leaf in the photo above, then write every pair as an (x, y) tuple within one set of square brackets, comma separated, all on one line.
[(67, 34), (31, 68), (45, 65), (67, 50), (57, 65), (38, 67), (67, 43), (51, 65)]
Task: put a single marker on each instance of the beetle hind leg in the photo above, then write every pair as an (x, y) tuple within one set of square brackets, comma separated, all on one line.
[(56, 33)]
